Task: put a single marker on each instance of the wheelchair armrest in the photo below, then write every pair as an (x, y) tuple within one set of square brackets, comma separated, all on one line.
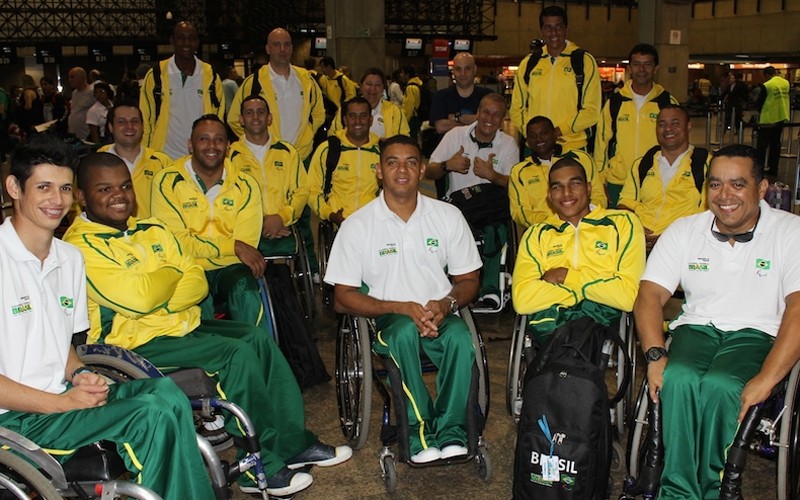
[(31, 451)]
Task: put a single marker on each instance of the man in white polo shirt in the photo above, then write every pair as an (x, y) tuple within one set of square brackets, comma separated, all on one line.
[(739, 331), (477, 160), (403, 245)]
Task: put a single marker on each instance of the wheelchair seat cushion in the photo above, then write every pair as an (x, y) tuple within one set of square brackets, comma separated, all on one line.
[(96, 462)]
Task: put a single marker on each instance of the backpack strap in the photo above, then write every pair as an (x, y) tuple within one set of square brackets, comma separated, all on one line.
[(614, 105), (157, 90), (255, 89), (664, 99), (343, 95), (647, 162), (576, 60), (212, 91), (699, 157), (334, 152)]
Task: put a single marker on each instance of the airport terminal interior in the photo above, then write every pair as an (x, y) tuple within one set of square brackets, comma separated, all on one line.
[(700, 42)]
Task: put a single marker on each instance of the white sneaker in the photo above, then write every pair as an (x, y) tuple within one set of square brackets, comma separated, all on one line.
[(427, 455), (453, 450)]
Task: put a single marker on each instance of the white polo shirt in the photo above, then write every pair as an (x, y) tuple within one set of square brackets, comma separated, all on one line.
[(403, 261), (289, 94), (506, 155), (731, 287), (185, 106), (43, 305)]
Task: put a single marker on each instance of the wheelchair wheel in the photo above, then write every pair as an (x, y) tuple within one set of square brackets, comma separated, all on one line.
[(324, 244), (637, 433), (354, 379), (481, 360), (20, 480), (623, 406), (116, 368), (389, 474), (302, 272), (484, 462), (788, 468), (518, 359)]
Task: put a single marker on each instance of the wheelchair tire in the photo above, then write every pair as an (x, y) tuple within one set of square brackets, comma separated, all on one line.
[(19, 479), (637, 433), (484, 461), (481, 360), (788, 466), (324, 244), (354, 379), (518, 360), (113, 368), (389, 474)]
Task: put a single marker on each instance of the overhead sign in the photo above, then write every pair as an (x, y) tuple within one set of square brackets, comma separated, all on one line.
[(48, 54), (8, 54), (146, 52)]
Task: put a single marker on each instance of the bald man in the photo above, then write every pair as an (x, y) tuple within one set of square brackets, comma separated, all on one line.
[(81, 100)]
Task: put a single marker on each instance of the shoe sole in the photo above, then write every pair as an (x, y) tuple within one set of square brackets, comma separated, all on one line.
[(324, 463), (286, 491)]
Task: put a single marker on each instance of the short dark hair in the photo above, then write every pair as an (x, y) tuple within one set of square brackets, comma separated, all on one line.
[(676, 106), (567, 161), (743, 151), (328, 62), (208, 117), (374, 71), (355, 100), (96, 160), (410, 70), (537, 120), (106, 87), (256, 97), (122, 104), (40, 149), (553, 11), (644, 49), (398, 139), (770, 71)]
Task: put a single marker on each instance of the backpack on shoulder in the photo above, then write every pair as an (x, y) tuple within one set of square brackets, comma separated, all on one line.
[(564, 439)]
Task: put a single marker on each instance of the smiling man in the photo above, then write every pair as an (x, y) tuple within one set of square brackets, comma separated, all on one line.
[(582, 261), (737, 334), (528, 184), (477, 160), (667, 182), (403, 246)]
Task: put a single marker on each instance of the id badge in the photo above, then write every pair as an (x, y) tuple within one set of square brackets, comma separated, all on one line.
[(550, 469)]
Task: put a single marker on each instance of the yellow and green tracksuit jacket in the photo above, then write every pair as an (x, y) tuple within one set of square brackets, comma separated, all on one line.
[(552, 92), (413, 97), (142, 283), (156, 127), (604, 255), (394, 121), (528, 186), (236, 213), (150, 162), (353, 184), (313, 111), (636, 133), (657, 208), (281, 178), (332, 89)]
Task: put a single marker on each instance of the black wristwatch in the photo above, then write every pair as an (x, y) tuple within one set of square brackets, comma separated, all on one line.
[(656, 353), (453, 304)]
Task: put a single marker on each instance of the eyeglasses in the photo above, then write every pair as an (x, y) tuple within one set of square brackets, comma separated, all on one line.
[(738, 238)]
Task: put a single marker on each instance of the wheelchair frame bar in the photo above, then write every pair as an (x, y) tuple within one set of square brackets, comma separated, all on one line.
[(112, 489), (37, 455)]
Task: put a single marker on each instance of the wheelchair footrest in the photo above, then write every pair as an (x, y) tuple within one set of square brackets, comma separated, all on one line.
[(194, 383), (97, 462)]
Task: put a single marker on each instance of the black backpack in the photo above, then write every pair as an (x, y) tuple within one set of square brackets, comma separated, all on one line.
[(294, 338), (699, 157), (425, 101), (565, 398), (615, 103)]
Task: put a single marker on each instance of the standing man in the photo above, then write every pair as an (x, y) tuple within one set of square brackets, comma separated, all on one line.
[(477, 160), (773, 103), (221, 207), (737, 335), (125, 124), (667, 182), (407, 248), (80, 101), (528, 184), (335, 85), (178, 91), (412, 98), (229, 86), (46, 393), (560, 82), (627, 127)]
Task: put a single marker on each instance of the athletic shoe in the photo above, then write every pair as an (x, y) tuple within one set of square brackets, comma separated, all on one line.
[(284, 483), (320, 454), (489, 301), (454, 450), (430, 454)]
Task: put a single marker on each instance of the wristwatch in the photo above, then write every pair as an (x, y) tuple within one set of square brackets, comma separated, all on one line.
[(444, 166), (453, 304), (656, 353), (457, 117)]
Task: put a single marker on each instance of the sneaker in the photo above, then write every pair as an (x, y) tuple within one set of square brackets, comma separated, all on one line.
[(454, 450), (214, 432), (284, 483), (320, 454), (430, 454), (490, 301)]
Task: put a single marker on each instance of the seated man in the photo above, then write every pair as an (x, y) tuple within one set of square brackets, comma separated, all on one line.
[(400, 248), (737, 335), (582, 261), (277, 169), (528, 182), (204, 194), (477, 160), (341, 176), (156, 314), (667, 182), (46, 393)]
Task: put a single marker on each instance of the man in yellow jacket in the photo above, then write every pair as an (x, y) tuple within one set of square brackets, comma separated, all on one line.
[(412, 98), (550, 88), (156, 313), (580, 262), (125, 124), (276, 166), (528, 181), (352, 182), (627, 127), (221, 208), (666, 183), (177, 92), (334, 84)]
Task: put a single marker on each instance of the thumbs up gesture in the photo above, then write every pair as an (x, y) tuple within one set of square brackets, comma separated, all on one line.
[(485, 168), (458, 162)]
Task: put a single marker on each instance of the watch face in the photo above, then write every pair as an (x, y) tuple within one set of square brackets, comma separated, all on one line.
[(655, 353)]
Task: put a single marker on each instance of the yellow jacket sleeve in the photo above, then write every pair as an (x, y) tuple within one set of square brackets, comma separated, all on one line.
[(602, 137), (411, 101), (524, 210), (297, 191), (519, 98), (316, 179), (629, 196)]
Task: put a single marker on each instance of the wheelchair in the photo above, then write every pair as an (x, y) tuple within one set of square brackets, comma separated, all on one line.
[(326, 232), (297, 259), (120, 365), (770, 429), (355, 375), (508, 253)]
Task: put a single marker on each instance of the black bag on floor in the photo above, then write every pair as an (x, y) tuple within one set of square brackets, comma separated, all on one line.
[(565, 425), (293, 336)]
